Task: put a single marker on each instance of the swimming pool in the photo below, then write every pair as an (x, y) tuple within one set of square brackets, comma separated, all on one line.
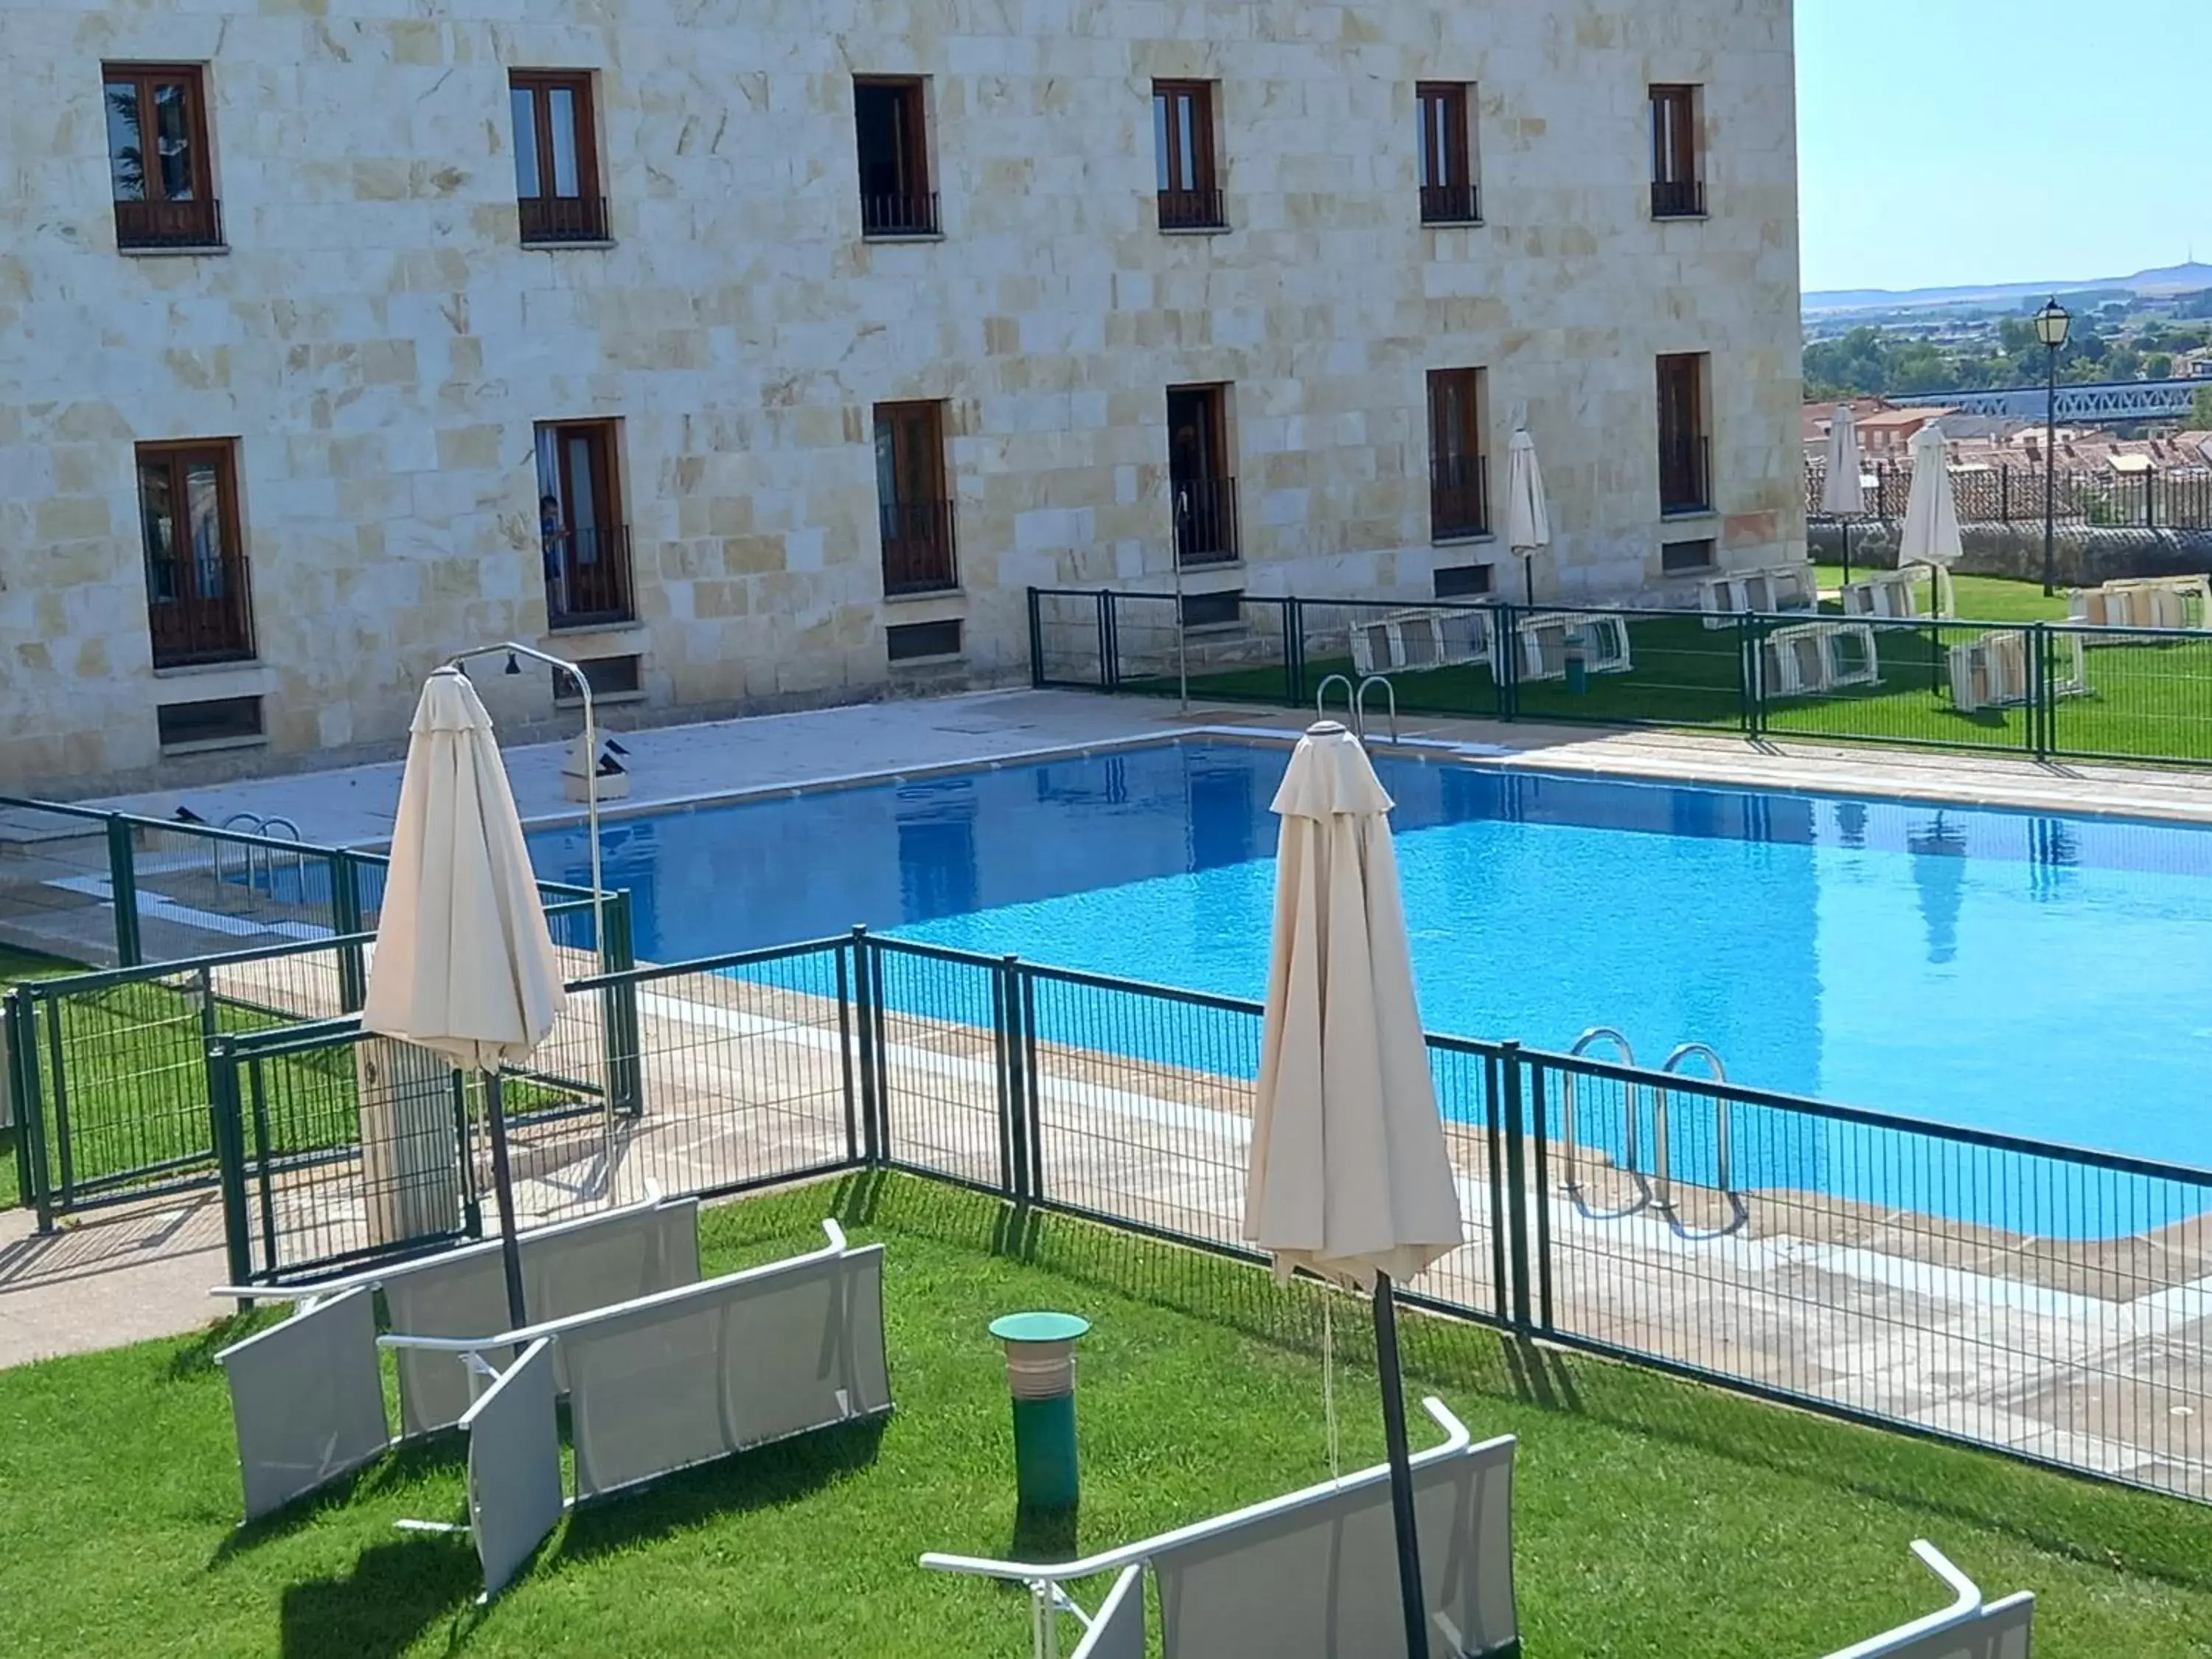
[(2035, 974)]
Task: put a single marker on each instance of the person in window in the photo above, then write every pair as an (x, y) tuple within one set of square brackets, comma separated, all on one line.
[(553, 539)]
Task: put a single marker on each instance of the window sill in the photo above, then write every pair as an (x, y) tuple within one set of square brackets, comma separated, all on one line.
[(950, 660), (1453, 224), (213, 746), (600, 700), (201, 251), (902, 236), (924, 595), (192, 670), (1680, 218), (1464, 538), (598, 245), (610, 626), (1685, 514), (1196, 230)]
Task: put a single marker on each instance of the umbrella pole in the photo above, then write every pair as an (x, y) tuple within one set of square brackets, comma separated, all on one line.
[(510, 1246), (1847, 549), (1528, 578), (1401, 1469)]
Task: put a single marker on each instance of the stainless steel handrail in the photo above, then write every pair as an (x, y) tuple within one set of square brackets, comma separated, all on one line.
[(1663, 1197), (1632, 1133), (1359, 705)]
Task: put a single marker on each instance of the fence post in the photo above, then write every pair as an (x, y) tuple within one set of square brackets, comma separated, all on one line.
[(1032, 1088), (1541, 1131), (2150, 501), (864, 1012), (1750, 692), (2041, 714), (345, 922), (1109, 648), (1036, 642), (1506, 659), (2004, 494), (122, 883), (1007, 1050), (1516, 1193), (1294, 667), (230, 1159), (19, 1048), (618, 1006)]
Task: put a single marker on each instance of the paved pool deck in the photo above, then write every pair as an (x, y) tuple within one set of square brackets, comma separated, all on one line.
[(678, 765)]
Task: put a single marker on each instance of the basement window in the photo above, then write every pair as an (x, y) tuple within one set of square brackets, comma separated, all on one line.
[(219, 720), (1687, 558), (922, 642), (1464, 581), (609, 676)]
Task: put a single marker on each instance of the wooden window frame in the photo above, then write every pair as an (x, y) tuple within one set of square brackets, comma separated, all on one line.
[(1459, 475), (915, 528), (1677, 190), (1194, 203), (543, 223), (1202, 505), (1446, 110), (613, 586), (1686, 485), (156, 220), (911, 209), (233, 636)]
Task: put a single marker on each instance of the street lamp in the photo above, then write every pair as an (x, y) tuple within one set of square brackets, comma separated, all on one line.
[(2051, 324)]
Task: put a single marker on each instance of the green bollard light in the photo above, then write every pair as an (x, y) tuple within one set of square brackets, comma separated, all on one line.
[(1041, 1376)]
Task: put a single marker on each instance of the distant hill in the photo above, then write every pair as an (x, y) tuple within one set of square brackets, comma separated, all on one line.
[(2169, 279)]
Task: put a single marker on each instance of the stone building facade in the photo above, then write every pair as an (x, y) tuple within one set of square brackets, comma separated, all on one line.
[(753, 228)]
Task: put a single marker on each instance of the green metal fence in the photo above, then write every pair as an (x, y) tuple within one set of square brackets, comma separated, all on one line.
[(1941, 1280), (2041, 690)]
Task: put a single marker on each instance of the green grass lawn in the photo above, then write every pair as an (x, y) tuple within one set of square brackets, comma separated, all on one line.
[(1653, 1517), (2144, 701)]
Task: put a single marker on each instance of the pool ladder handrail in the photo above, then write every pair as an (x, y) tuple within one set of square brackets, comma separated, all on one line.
[(1663, 1196), (1656, 1193), (1355, 702), (1631, 1138), (253, 824)]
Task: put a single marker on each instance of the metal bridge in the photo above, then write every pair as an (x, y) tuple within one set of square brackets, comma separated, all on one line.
[(2118, 401)]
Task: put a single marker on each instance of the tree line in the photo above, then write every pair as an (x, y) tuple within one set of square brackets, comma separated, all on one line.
[(1872, 361)]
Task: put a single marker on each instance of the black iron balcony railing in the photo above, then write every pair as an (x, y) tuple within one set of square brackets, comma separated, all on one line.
[(1685, 476), (918, 550), (1450, 205), (169, 224), (907, 213), (1192, 209), (550, 220), (1205, 520), (1459, 498), (1678, 198), (587, 577), (200, 610)]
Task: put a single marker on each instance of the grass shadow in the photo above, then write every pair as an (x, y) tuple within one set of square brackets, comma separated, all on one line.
[(403, 1465), (381, 1607), (764, 1478), (1045, 1535)]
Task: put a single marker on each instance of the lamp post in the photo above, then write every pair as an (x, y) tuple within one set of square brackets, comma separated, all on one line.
[(2051, 324)]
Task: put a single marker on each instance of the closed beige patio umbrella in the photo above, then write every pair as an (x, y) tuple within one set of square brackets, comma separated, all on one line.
[(464, 965), (1930, 535), (1349, 1178), (1842, 482), (1527, 516)]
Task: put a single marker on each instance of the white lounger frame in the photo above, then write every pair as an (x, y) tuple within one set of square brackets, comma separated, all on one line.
[(1769, 592), (1412, 641), (1970, 1628), (1107, 1629)]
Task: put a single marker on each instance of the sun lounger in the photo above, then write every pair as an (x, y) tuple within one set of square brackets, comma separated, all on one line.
[(1894, 595), (1771, 591), (1410, 642), (1311, 1576), (1968, 1629), (1547, 637), (307, 1399), (1812, 658)]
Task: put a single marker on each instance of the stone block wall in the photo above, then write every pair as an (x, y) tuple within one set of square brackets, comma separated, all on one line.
[(378, 345)]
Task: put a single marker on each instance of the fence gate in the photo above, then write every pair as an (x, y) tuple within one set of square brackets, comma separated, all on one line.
[(107, 1076), (337, 1147)]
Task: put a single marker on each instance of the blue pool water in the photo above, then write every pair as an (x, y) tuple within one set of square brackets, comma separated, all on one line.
[(2039, 976)]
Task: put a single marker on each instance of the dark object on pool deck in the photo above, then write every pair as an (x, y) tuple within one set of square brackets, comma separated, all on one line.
[(185, 815)]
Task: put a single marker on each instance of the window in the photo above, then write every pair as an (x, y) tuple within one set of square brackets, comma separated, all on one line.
[(913, 508), (1677, 193), (1685, 558), (1685, 449), (1182, 141), (1213, 610), (1464, 581), (895, 199), (198, 608), (1448, 188), (219, 719), (913, 641), (583, 542), (609, 676), (1459, 472), (1202, 493), (556, 158), (157, 157)]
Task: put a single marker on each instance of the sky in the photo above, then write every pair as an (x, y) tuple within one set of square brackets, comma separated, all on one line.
[(1945, 142)]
